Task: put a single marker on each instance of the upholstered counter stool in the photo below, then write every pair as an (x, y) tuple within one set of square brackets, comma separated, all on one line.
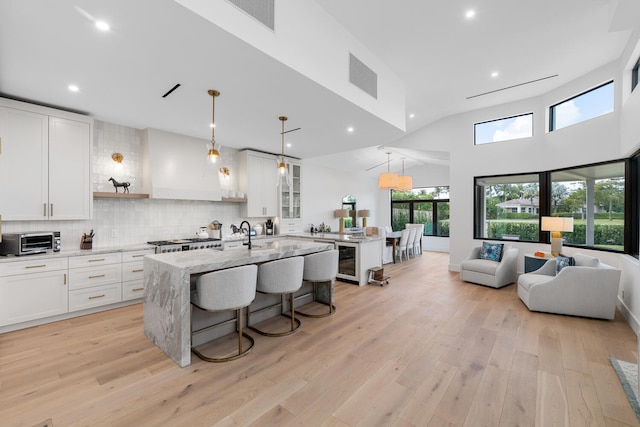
[(279, 277), (319, 268), (231, 289)]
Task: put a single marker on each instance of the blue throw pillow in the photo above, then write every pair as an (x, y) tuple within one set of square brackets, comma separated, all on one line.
[(491, 251), (563, 261)]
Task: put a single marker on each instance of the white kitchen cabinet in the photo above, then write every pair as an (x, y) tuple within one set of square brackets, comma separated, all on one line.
[(133, 273), (257, 179), (290, 197), (45, 163), (33, 289), (95, 280)]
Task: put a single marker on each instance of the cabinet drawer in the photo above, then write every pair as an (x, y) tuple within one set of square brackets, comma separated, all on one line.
[(33, 266), (132, 271), (136, 255), (93, 276), (95, 259), (81, 299), (132, 290)]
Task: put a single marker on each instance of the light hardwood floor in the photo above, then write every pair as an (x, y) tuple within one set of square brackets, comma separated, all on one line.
[(426, 350)]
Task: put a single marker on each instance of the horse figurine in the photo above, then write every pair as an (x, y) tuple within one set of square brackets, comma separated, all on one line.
[(117, 184)]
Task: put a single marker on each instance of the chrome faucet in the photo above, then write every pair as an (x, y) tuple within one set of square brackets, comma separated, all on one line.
[(248, 233)]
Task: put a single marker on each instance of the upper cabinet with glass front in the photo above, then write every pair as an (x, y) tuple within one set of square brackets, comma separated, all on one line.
[(291, 200)]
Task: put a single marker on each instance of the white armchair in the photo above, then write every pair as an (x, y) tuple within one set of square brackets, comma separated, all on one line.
[(588, 289), (490, 273)]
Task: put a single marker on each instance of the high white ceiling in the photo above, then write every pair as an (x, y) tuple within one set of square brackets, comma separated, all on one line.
[(442, 57)]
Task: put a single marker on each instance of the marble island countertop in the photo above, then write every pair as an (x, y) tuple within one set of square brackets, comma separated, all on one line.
[(209, 260)]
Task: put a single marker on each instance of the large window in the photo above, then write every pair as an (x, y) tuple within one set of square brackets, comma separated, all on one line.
[(507, 207), (584, 106), (595, 197), (503, 129), (428, 206)]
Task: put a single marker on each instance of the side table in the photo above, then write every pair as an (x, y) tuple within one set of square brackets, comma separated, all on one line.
[(532, 262)]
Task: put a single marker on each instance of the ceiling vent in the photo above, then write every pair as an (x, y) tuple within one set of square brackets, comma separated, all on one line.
[(262, 10), (362, 76)]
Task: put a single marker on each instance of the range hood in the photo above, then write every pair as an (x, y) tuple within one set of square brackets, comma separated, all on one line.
[(176, 167)]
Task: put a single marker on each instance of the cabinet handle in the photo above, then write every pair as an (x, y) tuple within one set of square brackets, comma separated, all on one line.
[(65, 279), (44, 209), (51, 209), (97, 296), (140, 270), (96, 277), (137, 289), (137, 256), (96, 260), (36, 266)]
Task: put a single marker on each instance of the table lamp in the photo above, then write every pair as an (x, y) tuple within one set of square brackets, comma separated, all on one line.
[(341, 214), (364, 213), (556, 225)]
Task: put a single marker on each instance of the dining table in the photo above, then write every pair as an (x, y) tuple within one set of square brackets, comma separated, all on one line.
[(394, 238)]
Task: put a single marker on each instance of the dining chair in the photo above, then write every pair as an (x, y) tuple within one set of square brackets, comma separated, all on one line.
[(401, 247), (410, 248)]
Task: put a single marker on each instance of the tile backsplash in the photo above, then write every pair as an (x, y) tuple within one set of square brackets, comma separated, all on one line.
[(121, 222)]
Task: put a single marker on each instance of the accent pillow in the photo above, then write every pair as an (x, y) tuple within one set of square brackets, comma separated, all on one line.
[(492, 251), (586, 260), (563, 261)]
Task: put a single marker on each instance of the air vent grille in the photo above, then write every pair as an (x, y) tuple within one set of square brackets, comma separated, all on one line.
[(262, 10), (362, 76)]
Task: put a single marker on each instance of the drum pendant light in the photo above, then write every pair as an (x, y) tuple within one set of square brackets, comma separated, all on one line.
[(213, 155), (388, 180), (405, 182)]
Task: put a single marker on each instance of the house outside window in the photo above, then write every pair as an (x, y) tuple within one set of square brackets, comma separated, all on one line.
[(507, 207)]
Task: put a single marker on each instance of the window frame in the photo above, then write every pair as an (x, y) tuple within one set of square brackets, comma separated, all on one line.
[(552, 111), (500, 119), (631, 201), (434, 210), (634, 75)]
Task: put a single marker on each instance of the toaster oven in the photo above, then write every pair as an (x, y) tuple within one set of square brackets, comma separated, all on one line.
[(35, 242)]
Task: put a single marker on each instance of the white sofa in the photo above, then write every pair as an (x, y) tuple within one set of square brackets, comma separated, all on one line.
[(588, 289), (490, 273)]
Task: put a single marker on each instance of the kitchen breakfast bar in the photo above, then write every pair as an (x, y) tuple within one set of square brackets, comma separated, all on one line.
[(167, 284)]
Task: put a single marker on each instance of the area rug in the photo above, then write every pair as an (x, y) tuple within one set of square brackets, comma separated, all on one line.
[(628, 375)]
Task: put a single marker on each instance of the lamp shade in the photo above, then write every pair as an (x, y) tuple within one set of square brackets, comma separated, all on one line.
[(388, 181), (341, 213), (405, 182), (556, 223), (363, 213)]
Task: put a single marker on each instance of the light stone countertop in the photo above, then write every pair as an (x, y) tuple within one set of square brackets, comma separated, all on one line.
[(75, 252), (337, 237)]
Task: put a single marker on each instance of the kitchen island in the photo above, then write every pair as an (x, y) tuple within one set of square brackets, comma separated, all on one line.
[(167, 279)]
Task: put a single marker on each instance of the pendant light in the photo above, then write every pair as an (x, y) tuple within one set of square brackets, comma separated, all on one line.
[(405, 182), (213, 154), (282, 167), (388, 180)]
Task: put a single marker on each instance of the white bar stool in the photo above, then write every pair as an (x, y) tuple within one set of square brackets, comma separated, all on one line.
[(231, 289), (283, 276), (321, 267)]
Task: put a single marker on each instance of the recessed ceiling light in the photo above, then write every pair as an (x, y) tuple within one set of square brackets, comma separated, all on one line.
[(102, 26), (470, 14), (350, 129), (495, 74), (288, 144), (74, 88), (411, 116)]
